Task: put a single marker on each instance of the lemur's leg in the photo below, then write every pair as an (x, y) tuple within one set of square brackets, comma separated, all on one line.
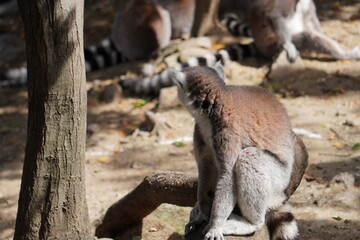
[(313, 39), (285, 38), (320, 43), (259, 180), (312, 20), (207, 171)]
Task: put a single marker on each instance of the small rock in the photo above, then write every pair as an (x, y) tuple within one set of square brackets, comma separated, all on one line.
[(136, 165), (348, 123), (153, 229), (110, 93), (346, 178), (169, 98), (309, 177)]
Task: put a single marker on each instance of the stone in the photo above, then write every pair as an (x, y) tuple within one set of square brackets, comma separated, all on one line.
[(169, 98)]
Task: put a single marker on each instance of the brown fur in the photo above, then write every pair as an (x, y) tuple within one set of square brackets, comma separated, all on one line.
[(242, 141), (142, 35), (261, 111), (182, 16), (261, 18)]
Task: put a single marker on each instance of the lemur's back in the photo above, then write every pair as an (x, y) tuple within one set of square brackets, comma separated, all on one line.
[(257, 117), (248, 115)]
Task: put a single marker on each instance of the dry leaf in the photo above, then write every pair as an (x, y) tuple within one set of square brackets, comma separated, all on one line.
[(309, 177), (130, 127), (104, 159), (338, 144), (313, 165), (332, 136), (345, 62), (93, 101), (218, 46), (121, 133), (261, 76)]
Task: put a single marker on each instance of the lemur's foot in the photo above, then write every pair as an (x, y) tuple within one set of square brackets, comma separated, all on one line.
[(213, 234), (291, 51), (196, 219)]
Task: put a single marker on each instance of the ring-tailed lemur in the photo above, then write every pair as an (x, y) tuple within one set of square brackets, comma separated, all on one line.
[(274, 25), (247, 156), (97, 57), (135, 38), (151, 86), (137, 32), (291, 25)]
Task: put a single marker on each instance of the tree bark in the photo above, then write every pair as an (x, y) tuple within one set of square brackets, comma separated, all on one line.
[(161, 187), (52, 202), (206, 17)]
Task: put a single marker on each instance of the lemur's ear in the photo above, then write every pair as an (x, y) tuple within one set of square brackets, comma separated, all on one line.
[(177, 77), (219, 69)]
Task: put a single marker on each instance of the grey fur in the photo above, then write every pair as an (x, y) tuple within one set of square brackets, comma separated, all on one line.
[(291, 25), (246, 154)]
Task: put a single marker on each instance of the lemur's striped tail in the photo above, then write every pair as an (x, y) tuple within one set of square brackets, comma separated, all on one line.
[(102, 56), (236, 26), (282, 224), (151, 86), (97, 57)]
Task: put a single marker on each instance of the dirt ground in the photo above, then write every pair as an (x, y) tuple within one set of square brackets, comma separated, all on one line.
[(322, 98)]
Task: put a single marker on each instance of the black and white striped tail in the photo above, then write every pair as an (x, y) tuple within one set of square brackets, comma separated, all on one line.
[(97, 57), (236, 26), (151, 86), (282, 224), (102, 56)]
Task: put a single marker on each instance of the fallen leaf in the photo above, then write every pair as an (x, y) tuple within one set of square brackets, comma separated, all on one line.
[(309, 177), (171, 135), (313, 166), (218, 46), (178, 144), (332, 136), (356, 146), (338, 144), (121, 133), (337, 218), (345, 62), (103, 159), (141, 102), (93, 101), (261, 76), (130, 127)]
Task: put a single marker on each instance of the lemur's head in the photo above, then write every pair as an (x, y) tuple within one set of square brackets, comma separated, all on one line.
[(198, 86)]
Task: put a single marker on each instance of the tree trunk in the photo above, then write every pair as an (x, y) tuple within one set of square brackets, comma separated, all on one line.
[(52, 203), (206, 17)]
